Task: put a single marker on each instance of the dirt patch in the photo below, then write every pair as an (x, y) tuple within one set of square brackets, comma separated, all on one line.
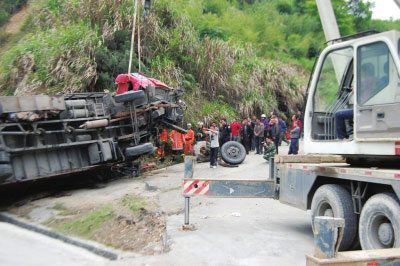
[(132, 223), (16, 21)]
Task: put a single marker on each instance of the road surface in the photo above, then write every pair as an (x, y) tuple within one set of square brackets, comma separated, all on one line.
[(228, 231)]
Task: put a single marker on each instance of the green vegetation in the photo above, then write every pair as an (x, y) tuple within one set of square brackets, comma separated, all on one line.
[(233, 57), (8, 8), (59, 206), (84, 226), (134, 203)]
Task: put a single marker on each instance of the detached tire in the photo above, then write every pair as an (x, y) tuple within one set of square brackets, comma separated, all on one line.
[(380, 222), (335, 201), (233, 152), (129, 96), (201, 151)]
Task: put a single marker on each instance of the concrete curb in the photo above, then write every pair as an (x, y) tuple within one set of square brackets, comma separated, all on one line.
[(92, 247)]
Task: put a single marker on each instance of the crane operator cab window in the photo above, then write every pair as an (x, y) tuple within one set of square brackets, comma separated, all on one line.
[(333, 96), (378, 93)]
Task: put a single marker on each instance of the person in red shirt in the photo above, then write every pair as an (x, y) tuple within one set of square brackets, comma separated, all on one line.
[(189, 139), (235, 127)]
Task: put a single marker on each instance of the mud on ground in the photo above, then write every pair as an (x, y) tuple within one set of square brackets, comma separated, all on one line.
[(125, 215)]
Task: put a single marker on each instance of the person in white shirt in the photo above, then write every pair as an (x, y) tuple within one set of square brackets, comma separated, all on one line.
[(213, 134)]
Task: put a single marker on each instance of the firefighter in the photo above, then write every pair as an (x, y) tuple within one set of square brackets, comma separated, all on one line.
[(177, 142), (161, 150), (189, 139)]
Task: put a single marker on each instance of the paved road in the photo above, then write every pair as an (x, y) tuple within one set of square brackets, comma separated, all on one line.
[(229, 231)]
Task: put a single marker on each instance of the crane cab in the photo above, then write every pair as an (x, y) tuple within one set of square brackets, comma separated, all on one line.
[(353, 104)]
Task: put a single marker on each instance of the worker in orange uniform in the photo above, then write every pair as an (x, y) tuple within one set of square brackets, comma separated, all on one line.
[(189, 139), (177, 142), (163, 139)]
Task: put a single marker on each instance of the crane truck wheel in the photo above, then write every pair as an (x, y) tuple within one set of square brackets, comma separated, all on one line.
[(379, 222), (335, 201), (233, 152)]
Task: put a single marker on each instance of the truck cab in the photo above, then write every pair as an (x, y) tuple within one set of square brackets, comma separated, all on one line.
[(354, 99)]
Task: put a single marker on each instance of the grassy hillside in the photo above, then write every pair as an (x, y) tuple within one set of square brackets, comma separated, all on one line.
[(234, 58)]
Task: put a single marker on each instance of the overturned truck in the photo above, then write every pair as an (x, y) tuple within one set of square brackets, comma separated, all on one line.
[(46, 136)]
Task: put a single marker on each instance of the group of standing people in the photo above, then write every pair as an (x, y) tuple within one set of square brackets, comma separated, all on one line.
[(263, 135)]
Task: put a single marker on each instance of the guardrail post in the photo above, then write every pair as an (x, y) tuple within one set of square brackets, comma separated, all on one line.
[(271, 167), (189, 169), (328, 232)]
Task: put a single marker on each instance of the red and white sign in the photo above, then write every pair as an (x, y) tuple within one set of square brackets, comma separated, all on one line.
[(397, 148), (196, 187)]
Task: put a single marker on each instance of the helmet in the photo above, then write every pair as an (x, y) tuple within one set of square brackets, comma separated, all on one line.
[(199, 123), (189, 125), (263, 115)]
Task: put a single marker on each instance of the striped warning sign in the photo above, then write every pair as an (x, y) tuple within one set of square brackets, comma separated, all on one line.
[(196, 187)]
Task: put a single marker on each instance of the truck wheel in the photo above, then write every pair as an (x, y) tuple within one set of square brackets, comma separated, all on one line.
[(4, 157), (201, 151), (335, 201), (139, 150), (129, 96), (233, 152), (5, 171), (379, 222)]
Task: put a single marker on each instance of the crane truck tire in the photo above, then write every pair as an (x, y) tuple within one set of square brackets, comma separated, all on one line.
[(379, 222), (335, 201), (129, 96), (233, 152)]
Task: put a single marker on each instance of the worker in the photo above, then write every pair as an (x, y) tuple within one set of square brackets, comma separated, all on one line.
[(245, 135), (163, 139), (189, 139), (176, 141), (213, 136), (259, 133), (200, 135), (294, 139), (265, 123), (269, 149), (283, 127), (366, 91), (225, 132), (275, 132), (235, 127)]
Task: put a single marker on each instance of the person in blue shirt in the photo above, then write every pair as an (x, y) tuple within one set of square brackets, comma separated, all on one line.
[(282, 136)]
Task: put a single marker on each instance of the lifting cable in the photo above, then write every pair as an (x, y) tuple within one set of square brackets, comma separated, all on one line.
[(133, 37)]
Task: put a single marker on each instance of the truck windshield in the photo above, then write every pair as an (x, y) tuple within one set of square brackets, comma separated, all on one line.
[(331, 74)]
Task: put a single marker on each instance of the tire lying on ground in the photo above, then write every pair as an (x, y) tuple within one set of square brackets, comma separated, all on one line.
[(129, 96), (379, 225), (201, 151), (335, 201), (233, 152)]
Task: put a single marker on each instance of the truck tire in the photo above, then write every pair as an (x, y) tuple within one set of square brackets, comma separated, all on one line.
[(201, 151), (5, 171), (379, 225), (233, 152), (129, 96), (139, 150), (4, 157), (335, 201)]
